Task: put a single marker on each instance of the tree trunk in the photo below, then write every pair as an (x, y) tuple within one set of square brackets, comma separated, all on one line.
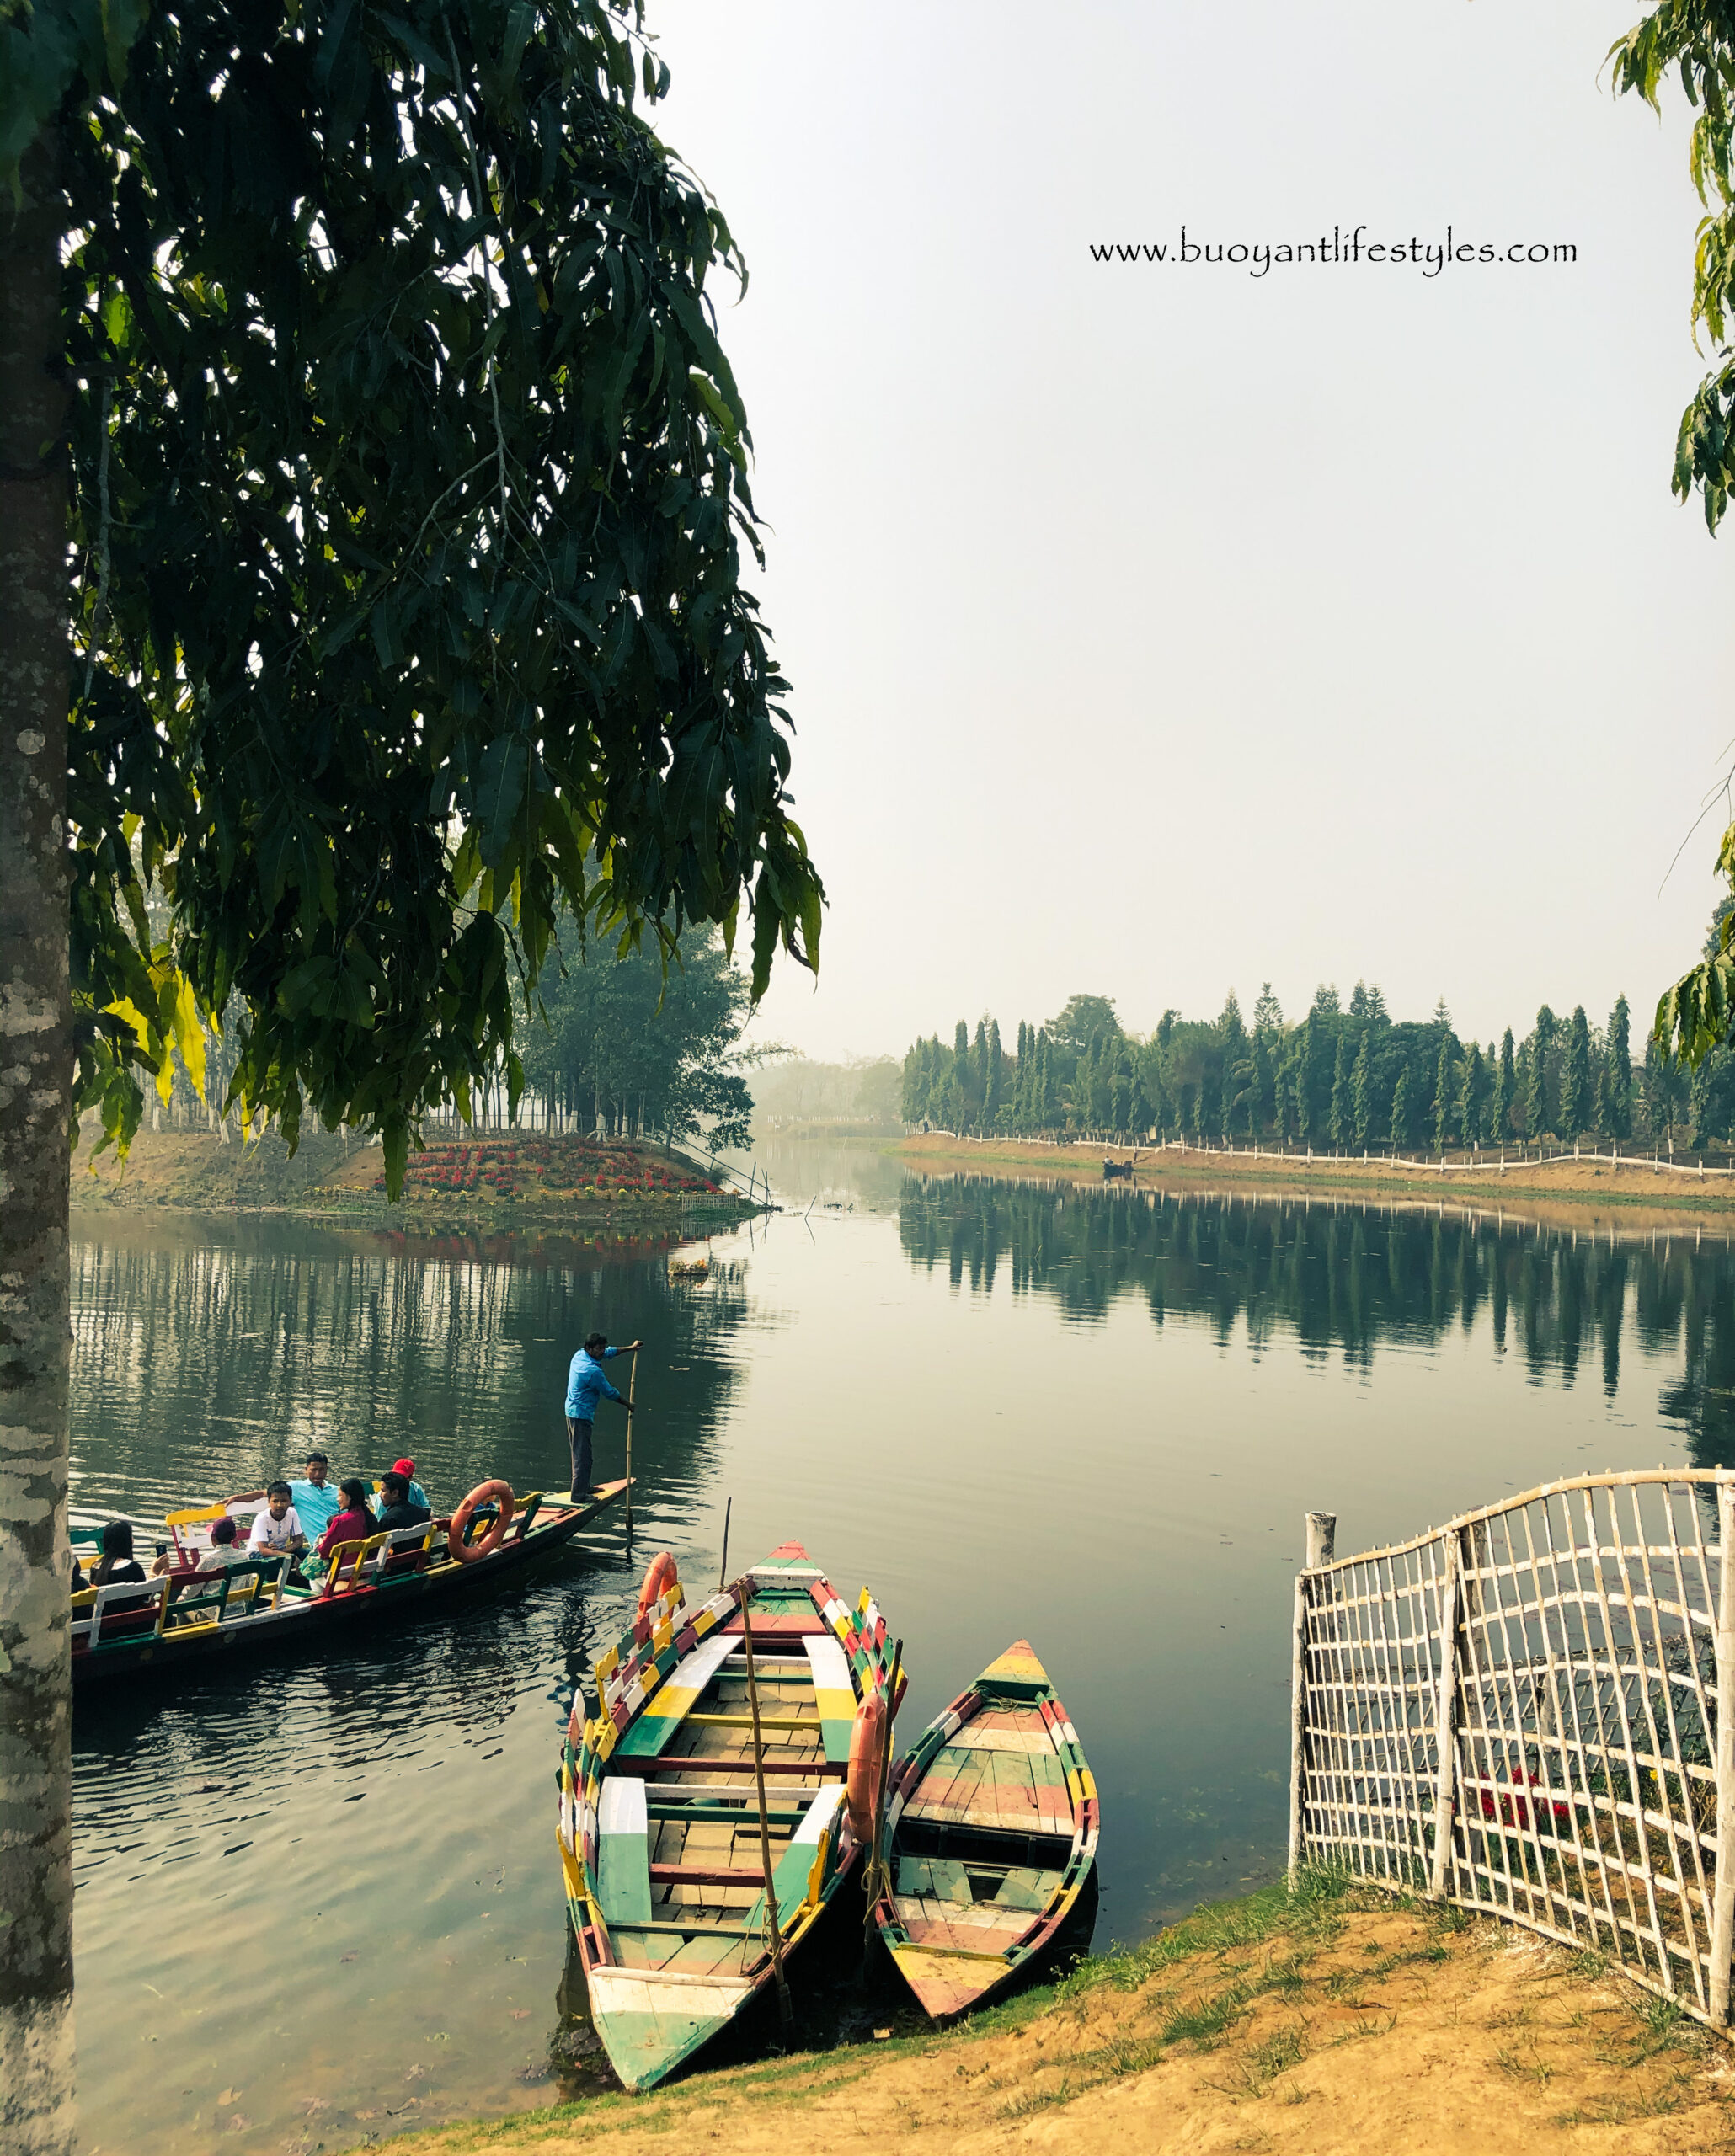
[(36, 2084)]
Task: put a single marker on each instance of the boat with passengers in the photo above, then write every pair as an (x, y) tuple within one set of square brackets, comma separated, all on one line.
[(185, 1614)]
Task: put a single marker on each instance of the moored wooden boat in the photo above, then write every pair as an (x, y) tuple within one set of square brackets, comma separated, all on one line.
[(261, 1603), (659, 1823), (990, 1834)]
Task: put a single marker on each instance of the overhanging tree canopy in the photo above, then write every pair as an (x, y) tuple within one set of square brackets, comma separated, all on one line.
[(1694, 39), (408, 484), (411, 483)]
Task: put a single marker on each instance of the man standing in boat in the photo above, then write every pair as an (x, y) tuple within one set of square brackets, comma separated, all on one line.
[(586, 1384)]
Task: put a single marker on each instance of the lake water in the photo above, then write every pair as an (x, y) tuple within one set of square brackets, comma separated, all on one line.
[(321, 1903)]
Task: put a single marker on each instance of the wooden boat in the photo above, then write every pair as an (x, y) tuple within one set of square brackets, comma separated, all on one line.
[(659, 1823), (185, 1615), (991, 1835)]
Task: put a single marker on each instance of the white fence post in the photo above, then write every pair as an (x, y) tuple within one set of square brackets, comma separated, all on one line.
[(1722, 1903), (1321, 1540), (1444, 1719)]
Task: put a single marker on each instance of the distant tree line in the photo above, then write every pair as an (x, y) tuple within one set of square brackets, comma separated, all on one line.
[(1348, 1078)]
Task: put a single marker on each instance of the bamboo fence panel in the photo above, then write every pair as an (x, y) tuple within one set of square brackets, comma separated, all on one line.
[(1554, 1678)]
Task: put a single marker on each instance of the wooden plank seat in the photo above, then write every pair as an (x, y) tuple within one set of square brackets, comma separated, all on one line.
[(106, 1615), (1008, 1792)]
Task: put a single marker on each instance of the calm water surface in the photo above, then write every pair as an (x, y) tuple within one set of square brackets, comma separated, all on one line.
[(321, 1903)]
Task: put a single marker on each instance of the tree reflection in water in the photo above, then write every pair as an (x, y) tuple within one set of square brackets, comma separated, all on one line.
[(1344, 1276)]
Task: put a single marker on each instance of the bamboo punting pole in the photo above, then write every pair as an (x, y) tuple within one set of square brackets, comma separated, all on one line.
[(631, 1387), (785, 2012), (722, 1569)]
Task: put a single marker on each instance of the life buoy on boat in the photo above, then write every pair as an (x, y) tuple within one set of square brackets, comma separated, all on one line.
[(660, 1575), (867, 1750), (467, 1554)]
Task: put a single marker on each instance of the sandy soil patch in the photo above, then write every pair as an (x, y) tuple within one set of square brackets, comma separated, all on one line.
[(1382, 2028)]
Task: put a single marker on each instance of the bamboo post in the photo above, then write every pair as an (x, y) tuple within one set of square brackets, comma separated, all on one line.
[(1445, 1734), (722, 1569), (631, 1386), (1321, 1540), (1723, 1906), (785, 2012), (1298, 1723)]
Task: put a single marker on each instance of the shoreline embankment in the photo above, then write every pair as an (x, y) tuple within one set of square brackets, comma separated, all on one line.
[(507, 1180), (1584, 1191), (1340, 2020)]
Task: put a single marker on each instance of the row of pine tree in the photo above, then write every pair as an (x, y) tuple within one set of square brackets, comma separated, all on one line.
[(1347, 1077)]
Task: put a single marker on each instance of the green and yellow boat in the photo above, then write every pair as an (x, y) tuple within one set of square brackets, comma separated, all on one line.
[(660, 1826)]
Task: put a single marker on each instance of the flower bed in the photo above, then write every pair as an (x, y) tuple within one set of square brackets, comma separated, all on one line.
[(570, 1168)]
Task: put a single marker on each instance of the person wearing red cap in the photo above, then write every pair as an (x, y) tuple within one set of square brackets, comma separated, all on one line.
[(406, 1469)]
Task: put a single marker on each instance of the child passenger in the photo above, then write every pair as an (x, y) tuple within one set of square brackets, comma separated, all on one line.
[(278, 1526)]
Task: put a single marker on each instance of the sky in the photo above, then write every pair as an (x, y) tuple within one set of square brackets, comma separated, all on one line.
[(1158, 628)]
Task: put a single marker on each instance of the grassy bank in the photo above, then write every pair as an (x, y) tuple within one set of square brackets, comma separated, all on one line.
[(1580, 1193), (1341, 2020), (490, 1184)]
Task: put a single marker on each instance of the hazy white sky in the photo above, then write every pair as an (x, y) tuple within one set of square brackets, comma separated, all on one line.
[(1156, 629)]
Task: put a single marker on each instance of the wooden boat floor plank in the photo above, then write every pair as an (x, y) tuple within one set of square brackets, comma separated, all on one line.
[(973, 1738)]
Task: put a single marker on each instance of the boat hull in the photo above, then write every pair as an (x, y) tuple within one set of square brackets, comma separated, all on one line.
[(310, 1623), (991, 1840), (660, 1826)]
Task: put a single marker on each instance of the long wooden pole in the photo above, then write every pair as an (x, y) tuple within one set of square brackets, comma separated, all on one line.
[(785, 2012), (631, 1387), (722, 1569)]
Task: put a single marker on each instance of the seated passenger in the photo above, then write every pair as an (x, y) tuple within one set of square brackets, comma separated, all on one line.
[(117, 1563), (399, 1506), (277, 1529), (354, 1524), (314, 1497), (226, 1548), (406, 1469)]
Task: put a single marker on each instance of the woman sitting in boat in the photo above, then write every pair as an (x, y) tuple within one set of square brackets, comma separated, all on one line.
[(355, 1523), (117, 1563), (116, 1566)]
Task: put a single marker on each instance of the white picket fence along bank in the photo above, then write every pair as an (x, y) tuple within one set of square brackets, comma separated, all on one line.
[(1531, 1712), (1485, 1162)]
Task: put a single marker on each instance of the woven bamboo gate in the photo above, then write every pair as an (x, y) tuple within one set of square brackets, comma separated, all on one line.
[(1554, 1679)]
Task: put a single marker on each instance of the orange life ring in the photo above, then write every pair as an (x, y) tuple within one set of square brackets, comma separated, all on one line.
[(660, 1575), (467, 1554), (866, 1749)]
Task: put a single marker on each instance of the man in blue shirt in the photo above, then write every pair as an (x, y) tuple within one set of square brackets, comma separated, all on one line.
[(315, 1499), (586, 1384)]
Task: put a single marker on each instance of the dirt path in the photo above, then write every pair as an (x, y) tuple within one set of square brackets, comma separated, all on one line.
[(1582, 1193), (1365, 2029)]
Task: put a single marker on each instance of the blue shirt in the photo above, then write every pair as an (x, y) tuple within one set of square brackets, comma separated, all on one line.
[(585, 1383), (317, 1504)]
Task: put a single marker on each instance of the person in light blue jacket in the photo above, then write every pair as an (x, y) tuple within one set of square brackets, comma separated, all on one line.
[(586, 1383)]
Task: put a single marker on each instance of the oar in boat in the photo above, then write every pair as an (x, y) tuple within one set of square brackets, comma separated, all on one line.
[(667, 1845)]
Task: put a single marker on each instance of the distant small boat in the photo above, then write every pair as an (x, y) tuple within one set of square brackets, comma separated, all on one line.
[(659, 1827), (991, 1837)]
